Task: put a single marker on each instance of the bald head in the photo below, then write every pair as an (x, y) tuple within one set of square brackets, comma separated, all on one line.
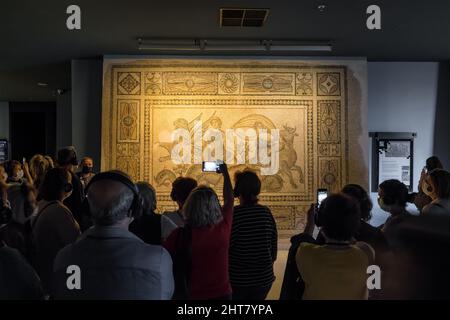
[(109, 202)]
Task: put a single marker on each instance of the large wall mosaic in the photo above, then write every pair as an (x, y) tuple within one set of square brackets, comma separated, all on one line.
[(144, 101)]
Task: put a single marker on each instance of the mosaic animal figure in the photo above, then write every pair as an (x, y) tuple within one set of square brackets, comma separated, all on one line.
[(288, 155)]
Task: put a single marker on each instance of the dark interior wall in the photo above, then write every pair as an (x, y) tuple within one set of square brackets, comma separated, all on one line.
[(442, 118), (32, 129), (87, 81), (64, 120)]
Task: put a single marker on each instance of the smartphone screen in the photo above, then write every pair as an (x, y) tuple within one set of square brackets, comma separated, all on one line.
[(210, 166), (321, 195)]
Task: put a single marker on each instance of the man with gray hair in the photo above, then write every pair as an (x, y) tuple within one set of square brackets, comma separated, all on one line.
[(108, 261)]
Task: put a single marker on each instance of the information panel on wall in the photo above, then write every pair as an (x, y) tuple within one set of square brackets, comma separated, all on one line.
[(3, 150), (392, 158)]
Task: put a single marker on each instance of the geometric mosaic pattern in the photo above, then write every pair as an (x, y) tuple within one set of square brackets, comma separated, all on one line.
[(142, 101)]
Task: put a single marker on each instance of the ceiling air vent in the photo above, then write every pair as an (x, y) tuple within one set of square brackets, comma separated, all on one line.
[(243, 17)]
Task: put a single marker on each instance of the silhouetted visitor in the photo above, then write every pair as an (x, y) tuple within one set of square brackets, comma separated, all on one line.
[(338, 268), (17, 233), (87, 171), (18, 280), (67, 158), (200, 248), (366, 232), (392, 198), (114, 263), (437, 186), (421, 262), (148, 225), (421, 199), (39, 166), (254, 240), (53, 227), (17, 173), (5, 208), (181, 188)]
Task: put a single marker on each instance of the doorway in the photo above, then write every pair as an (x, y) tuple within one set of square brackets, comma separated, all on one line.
[(32, 128)]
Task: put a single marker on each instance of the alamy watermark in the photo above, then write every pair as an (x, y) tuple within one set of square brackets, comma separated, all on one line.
[(73, 281), (73, 21)]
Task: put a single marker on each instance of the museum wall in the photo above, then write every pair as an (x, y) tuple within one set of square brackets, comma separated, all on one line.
[(85, 105), (403, 98), (4, 119), (64, 120), (441, 125), (319, 108)]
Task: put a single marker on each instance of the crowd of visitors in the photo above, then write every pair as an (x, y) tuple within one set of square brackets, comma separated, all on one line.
[(67, 232)]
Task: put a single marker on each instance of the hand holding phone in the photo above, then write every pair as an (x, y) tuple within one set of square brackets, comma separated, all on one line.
[(322, 194), (211, 166)]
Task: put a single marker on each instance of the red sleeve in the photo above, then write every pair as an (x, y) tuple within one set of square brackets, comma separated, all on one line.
[(227, 212), (171, 241)]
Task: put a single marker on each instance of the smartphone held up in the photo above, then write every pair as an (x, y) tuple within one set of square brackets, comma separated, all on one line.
[(211, 166), (322, 194)]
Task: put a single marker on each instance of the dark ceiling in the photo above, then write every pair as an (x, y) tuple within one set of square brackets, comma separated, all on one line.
[(37, 47)]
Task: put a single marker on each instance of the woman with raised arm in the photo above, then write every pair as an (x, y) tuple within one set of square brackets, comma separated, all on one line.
[(200, 249)]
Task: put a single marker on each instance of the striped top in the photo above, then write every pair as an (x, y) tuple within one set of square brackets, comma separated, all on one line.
[(253, 247)]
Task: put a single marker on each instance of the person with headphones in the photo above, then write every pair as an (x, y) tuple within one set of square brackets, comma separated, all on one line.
[(148, 226), (53, 226), (114, 264)]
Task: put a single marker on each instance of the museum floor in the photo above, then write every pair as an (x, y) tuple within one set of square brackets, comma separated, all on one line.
[(279, 267)]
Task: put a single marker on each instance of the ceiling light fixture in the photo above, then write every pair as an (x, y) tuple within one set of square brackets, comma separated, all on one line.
[(321, 7), (214, 45)]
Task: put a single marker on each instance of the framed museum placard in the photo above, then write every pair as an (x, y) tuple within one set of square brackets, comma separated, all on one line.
[(3, 150), (392, 157)]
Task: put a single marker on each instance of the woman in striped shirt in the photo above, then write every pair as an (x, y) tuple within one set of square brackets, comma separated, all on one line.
[(253, 248)]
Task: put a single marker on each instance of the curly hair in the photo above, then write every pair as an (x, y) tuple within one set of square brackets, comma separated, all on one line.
[(39, 166)]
